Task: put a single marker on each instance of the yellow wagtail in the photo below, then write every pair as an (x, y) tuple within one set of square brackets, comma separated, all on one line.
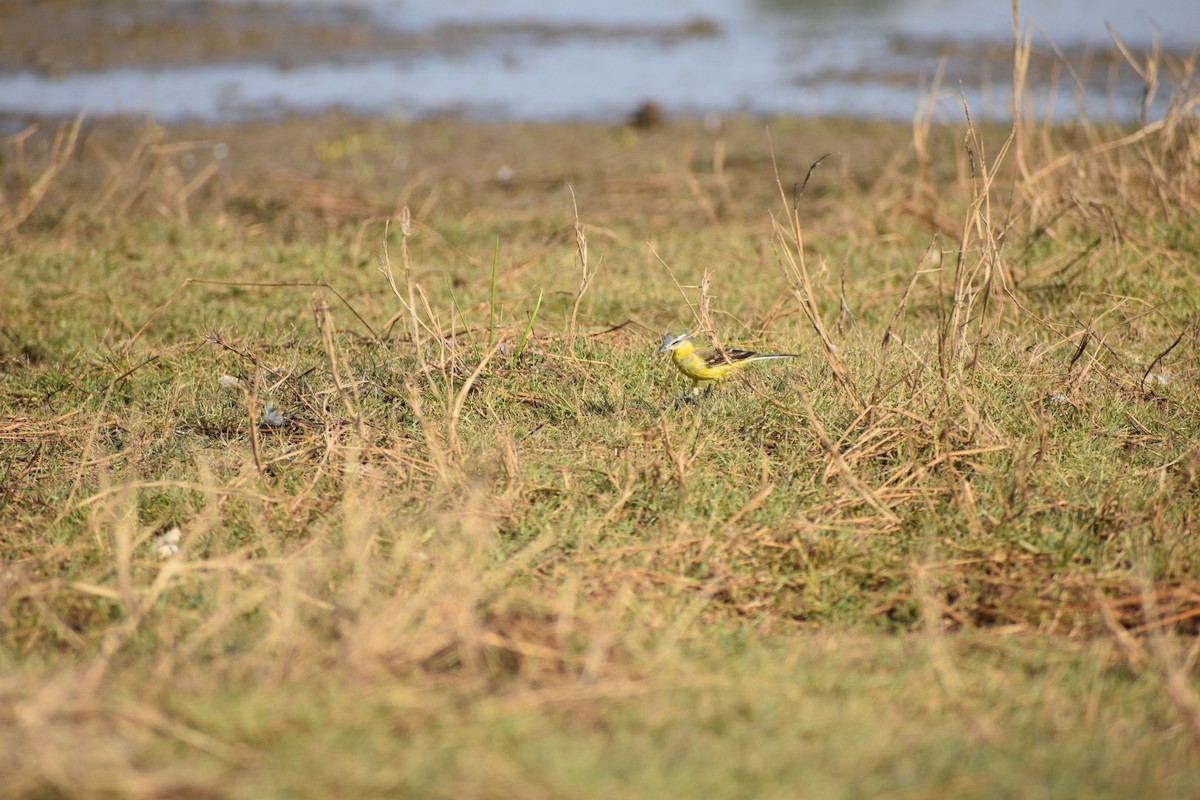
[(708, 365)]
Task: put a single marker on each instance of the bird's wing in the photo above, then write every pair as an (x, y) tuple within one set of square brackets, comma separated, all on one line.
[(714, 358)]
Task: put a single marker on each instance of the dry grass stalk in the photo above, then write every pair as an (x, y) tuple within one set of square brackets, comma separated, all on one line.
[(973, 285), (586, 273), (12, 215), (1161, 657), (791, 248), (864, 491), (1022, 54)]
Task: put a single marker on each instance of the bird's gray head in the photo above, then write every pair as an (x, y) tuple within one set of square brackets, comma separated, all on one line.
[(673, 341)]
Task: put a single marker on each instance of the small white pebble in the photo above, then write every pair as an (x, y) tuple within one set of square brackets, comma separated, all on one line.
[(505, 173), (272, 416), (167, 545), (229, 382), (1158, 378)]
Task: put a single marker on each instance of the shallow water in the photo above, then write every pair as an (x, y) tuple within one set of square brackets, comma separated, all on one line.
[(528, 59)]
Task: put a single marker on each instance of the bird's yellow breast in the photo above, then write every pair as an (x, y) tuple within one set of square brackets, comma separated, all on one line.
[(692, 362)]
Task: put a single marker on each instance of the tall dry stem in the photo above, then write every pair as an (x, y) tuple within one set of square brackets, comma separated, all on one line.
[(979, 268), (418, 327), (586, 273), (1022, 52), (347, 387), (12, 216), (791, 250)]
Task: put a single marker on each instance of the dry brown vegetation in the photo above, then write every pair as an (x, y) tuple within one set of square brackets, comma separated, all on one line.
[(485, 553)]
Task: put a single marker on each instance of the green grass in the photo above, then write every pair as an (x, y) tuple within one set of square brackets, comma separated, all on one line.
[(485, 558)]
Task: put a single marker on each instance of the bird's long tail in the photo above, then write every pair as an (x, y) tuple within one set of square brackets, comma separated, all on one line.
[(764, 356)]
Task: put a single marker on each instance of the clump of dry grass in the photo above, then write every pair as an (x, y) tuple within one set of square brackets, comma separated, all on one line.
[(30, 193), (161, 176)]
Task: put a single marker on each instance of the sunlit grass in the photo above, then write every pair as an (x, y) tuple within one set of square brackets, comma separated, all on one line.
[(489, 552)]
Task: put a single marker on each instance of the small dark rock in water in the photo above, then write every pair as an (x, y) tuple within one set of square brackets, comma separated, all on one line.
[(648, 114), (702, 26)]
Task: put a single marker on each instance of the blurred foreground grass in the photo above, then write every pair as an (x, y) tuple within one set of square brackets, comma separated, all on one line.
[(274, 525)]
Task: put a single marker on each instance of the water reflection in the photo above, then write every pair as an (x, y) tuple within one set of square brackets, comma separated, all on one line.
[(528, 59)]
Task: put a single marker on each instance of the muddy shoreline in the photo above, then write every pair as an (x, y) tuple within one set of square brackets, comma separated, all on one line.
[(64, 37)]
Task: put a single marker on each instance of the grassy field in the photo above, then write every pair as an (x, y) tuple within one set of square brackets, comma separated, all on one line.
[(337, 461)]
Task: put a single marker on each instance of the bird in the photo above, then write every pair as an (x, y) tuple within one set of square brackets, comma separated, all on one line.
[(708, 365)]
